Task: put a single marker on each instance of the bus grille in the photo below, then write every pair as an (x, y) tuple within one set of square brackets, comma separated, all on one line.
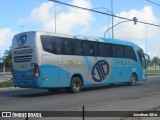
[(26, 58)]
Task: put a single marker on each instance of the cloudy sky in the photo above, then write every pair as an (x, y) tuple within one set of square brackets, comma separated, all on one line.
[(28, 15)]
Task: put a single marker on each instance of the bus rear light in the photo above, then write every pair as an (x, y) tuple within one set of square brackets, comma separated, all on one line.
[(36, 71)]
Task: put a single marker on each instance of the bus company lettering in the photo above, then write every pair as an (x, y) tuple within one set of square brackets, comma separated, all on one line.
[(68, 62), (23, 52), (100, 71), (125, 62)]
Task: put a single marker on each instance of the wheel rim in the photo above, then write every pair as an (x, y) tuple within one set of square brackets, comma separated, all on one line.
[(133, 81), (76, 85)]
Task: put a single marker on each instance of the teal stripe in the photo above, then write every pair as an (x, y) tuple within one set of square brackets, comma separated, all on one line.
[(88, 63)]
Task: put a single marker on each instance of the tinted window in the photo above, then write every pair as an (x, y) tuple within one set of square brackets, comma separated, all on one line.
[(69, 46), (59, 47), (73, 47), (129, 53), (101, 49), (66, 46), (141, 58), (92, 49), (118, 51), (108, 48), (105, 50), (83, 48), (50, 44)]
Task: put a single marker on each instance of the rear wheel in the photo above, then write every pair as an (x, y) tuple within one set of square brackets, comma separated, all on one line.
[(133, 80), (76, 85)]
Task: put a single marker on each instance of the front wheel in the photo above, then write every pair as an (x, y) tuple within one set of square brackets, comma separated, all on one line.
[(76, 85), (133, 80)]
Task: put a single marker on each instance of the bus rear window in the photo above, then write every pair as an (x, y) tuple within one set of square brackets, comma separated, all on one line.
[(48, 44), (51, 44)]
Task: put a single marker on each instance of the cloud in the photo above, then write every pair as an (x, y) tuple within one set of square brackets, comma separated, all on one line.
[(6, 36), (129, 31), (66, 21)]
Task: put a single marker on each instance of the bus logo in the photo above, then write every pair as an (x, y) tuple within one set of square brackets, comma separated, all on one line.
[(100, 71), (22, 40)]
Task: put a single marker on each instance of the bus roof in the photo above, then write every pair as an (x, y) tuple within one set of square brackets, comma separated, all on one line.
[(90, 38)]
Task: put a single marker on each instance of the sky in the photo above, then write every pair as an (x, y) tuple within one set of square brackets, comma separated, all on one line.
[(19, 16)]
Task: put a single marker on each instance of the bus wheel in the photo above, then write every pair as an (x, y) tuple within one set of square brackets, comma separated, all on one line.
[(76, 85), (133, 80)]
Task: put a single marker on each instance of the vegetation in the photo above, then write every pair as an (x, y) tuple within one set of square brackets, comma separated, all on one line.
[(154, 71), (8, 83), (154, 64), (8, 58)]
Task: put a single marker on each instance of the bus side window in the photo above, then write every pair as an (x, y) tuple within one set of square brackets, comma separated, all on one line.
[(129, 53), (83, 48), (67, 47), (49, 44), (73, 47), (118, 51), (93, 49), (59, 45), (101, 50), (109, 50), (78, 48), (105, 50), (51, 47)]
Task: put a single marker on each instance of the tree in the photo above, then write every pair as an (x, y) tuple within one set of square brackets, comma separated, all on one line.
[(8, 58), (156, 61)]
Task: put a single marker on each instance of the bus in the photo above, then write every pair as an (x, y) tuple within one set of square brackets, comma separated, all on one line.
[(51, 61)]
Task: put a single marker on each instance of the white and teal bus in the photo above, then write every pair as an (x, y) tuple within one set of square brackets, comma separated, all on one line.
[(50, 61)]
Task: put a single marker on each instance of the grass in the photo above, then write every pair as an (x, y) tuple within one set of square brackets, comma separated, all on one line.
[(8, 83), (153, 71)]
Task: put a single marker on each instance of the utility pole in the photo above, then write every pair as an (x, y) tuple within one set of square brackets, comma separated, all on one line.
[(112, 19), (55, 22), (146, 37)]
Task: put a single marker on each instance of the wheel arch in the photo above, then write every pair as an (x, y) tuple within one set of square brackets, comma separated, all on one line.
[(135, 75), (78, 75)]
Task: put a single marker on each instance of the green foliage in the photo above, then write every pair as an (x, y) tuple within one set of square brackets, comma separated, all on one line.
[(155, 62), (8, 58), (154, 71), (8, 83)]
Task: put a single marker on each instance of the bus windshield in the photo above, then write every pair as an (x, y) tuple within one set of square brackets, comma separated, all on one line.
[(142, 58)]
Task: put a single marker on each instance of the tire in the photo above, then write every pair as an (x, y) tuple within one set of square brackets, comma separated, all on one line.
[(76, 85), (133, 80)]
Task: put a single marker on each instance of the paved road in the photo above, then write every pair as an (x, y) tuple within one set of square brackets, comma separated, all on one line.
[(42, 100)]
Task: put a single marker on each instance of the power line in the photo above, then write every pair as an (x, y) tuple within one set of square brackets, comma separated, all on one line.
[(153, 2), (103, 13)]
